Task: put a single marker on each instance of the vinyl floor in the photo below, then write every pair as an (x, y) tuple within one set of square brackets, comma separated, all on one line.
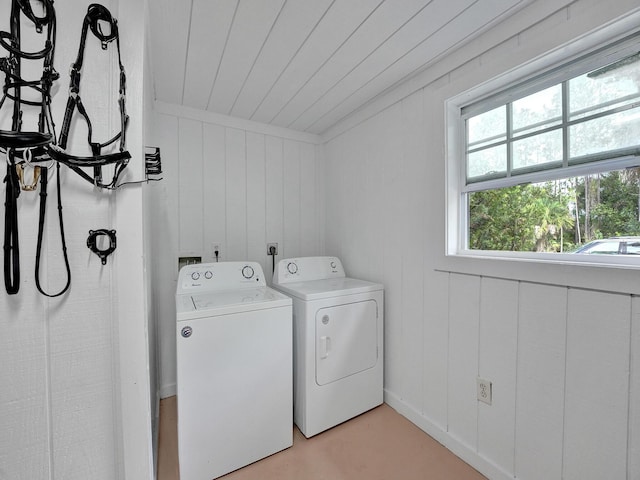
[(377, 445)]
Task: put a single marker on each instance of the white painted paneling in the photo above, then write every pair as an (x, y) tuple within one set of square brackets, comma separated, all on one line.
[(209, 29), (190, 192), (252, 23), (295, 23), (375, 30), (373, 199), (24, 403), (256, 192), (214, 198), (321, 209), (423, 24), (274, 196), (240, 199), (62, 414), (464, 312), (164, 134), (513, 332), (169, 50), (540, 381), (309, 199), (412, 233), (391, 223), (453, 30), (291, 199), (236, 199), (597, 386), (336, 26), (497, 363), (435, 346), (634, 393)]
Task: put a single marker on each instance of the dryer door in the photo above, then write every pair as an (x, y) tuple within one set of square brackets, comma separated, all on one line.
[(346, 340)]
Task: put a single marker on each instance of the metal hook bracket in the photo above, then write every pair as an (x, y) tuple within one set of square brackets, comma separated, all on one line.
[(92, 243)]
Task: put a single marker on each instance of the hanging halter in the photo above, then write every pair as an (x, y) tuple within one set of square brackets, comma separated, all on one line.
[(16, 143), (95, 14)]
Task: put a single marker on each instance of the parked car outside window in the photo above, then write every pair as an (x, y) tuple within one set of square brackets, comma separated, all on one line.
[(612, 246)]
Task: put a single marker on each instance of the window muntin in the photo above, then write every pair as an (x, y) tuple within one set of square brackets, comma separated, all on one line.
[(588, 123)]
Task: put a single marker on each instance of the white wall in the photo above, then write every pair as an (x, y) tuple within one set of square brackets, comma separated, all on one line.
[(67, 408), (560, 344), (236, 183)]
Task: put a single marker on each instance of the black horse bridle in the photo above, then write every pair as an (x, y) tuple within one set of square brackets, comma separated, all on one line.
[(17, 143), (95, 14), (23, 148)]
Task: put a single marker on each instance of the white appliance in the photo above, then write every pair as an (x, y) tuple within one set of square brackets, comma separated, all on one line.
[(338, 344), (234, 368)]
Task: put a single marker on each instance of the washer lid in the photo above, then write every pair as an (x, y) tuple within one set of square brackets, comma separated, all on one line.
[(333, 287), (229, 301)]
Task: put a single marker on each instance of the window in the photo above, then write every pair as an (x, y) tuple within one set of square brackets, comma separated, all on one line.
[(553, 163)]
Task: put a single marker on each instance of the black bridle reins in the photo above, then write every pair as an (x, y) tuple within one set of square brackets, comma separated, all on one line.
[(92, 21), (21, 147)]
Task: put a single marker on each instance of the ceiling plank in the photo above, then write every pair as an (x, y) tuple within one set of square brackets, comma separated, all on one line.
[(382, 24), (251, 26), (342, 19), (169, 32), (296, 22), (422, 26), (460, 30), (210, 25)]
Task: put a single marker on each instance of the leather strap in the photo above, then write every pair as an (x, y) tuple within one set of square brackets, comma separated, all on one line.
[(43, 209), (11, 244), (96, 15)]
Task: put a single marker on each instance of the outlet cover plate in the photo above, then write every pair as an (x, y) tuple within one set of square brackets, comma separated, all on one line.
[(485, 388)]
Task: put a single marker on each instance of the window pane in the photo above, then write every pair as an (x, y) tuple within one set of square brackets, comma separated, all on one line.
[(615, 131), (538, 150), (487, 128), (540, 110), (596, 213), (612, 86), (487, 161)]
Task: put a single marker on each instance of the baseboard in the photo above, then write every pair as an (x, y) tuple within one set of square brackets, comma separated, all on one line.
[(458, 448), (168, 390)]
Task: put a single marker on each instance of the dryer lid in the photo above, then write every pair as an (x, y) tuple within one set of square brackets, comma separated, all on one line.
[(227, 302), (328, 288)]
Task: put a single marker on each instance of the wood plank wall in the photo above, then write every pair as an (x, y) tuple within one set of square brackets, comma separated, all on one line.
[(564, 359), (235, 184), (60, 395)]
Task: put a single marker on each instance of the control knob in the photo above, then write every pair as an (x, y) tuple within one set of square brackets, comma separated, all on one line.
[(195, 275), (247, 271), (208, 275), (292, 267)]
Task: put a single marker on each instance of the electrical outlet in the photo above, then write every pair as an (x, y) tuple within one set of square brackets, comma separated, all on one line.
[(216, 247), (484, 390), (274, 245)]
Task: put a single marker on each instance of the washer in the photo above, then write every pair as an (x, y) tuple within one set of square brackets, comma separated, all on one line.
[(234, 368), (338, 341)]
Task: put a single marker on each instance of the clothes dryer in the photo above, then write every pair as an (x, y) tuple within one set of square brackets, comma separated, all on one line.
[(338, 341), (234, 368)]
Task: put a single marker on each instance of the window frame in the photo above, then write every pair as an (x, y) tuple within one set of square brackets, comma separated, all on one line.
[(556, 68)]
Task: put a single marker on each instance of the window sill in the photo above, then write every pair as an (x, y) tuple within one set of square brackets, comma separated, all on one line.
[(614, 274)]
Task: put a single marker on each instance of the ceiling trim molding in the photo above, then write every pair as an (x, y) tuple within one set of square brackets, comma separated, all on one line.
[(234, 122)]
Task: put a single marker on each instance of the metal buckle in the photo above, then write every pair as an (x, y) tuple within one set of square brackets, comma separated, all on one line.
[(20, 168)]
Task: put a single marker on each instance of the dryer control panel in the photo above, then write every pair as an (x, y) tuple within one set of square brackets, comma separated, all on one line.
[(305, 269), (206, 277)]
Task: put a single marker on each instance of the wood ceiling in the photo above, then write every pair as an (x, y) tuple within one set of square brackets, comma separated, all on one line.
[(303, 64)]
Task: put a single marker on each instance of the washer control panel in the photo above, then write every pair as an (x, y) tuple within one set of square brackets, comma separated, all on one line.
[(305, 269), (205, 277)]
